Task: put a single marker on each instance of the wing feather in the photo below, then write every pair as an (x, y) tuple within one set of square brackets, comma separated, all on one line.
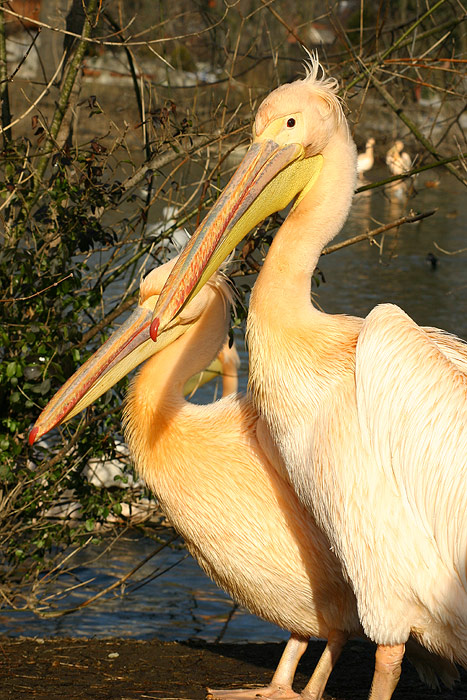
[(411, 386)]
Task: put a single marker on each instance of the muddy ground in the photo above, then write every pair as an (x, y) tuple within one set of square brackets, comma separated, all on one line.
[(74, 669)]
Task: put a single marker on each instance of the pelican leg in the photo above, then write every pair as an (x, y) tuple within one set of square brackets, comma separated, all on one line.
[(387, 671), (281, 683), (314, 689)]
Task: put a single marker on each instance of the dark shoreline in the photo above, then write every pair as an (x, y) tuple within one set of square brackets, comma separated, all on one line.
[(121, 669)]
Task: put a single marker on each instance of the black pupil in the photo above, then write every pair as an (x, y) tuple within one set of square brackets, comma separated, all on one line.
[(291, 122)]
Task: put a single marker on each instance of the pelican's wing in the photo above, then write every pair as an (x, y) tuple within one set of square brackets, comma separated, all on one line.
[(411, 388), (390, 156), (406, 160)]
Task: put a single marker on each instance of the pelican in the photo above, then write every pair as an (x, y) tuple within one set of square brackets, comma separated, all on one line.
[(398, 160), (369, 415), (366, 159), (238, 515)]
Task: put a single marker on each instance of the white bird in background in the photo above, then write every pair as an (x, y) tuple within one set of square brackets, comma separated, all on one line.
[(398, 160), (366, 159), (239, 517), (369, 415), (170, 240)]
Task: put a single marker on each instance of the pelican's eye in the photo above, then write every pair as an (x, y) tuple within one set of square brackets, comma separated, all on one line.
[(290, 122)]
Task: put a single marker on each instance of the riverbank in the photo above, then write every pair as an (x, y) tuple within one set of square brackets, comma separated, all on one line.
[(73, 669)]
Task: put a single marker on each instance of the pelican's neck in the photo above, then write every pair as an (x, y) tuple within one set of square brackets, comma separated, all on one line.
[(294, 253), (156, 398)]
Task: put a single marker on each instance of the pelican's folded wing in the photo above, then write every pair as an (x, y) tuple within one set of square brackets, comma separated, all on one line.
[(411, 387)]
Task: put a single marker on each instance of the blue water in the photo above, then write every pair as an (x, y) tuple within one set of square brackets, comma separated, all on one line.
[(361, 276), (181, 603)]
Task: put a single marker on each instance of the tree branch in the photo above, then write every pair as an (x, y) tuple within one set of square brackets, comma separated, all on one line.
[(410, 219)]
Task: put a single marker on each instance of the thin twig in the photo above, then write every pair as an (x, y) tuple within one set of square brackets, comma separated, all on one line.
[(65, 93), (4, 95), (31, 296), (413, 127), (103, 42), (37, 100), (114, 585), (410, 173), (395, 45), (449, 252), (410, 219)]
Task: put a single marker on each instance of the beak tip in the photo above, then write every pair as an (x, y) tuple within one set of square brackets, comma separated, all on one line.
[(33, 435), (154, 328)]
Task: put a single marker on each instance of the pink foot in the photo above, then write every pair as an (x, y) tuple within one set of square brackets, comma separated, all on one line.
[(272, 692)]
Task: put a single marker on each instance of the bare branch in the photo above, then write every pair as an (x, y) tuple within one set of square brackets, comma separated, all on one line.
[(410, 219)]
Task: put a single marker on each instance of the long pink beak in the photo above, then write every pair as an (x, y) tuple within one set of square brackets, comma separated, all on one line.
[(131, 334), (223, 227)]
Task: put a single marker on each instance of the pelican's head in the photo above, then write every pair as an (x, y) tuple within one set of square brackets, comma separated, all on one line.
[(292, 129), (305, 112), (127, 347)]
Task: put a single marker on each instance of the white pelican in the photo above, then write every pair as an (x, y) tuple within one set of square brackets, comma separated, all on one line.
[(238, 515), (369, 415), (366, 159), (398, 160)]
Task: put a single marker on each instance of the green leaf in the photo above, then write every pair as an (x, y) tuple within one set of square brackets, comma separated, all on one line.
[(89, 524), (11, 369), (44, 386)]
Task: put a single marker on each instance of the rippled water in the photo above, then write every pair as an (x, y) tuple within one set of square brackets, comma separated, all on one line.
[(182, 603), (360, 277)]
